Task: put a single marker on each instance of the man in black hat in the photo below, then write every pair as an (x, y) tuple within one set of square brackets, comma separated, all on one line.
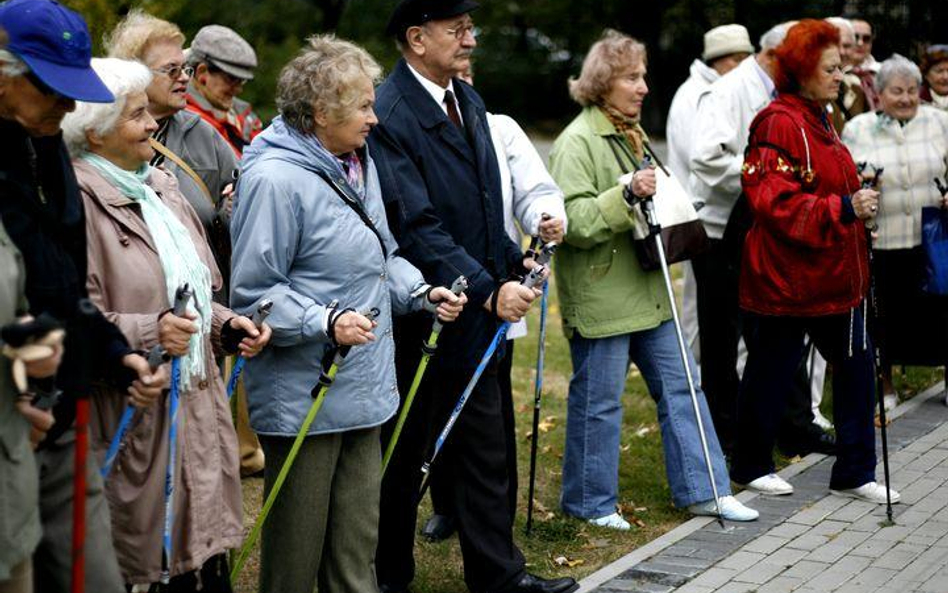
[(440, 178)]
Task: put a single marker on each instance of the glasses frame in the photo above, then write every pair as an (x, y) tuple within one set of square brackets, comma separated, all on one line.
[(460, 32), (174, 72)]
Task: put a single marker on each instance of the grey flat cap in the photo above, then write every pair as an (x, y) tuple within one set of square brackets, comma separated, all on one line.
[(224, 48)]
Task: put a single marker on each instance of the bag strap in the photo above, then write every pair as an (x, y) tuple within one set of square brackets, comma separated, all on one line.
[(612, 141), (171, 156), (356, 207)]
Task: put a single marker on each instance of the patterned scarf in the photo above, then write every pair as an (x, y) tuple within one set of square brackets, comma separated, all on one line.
[(628, 127), (179, 259)]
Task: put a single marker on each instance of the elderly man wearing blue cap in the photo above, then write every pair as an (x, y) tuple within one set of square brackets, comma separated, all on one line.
[(440, 178), (44, 69)]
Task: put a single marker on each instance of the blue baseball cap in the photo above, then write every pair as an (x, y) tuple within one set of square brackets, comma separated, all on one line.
[(54, 42)]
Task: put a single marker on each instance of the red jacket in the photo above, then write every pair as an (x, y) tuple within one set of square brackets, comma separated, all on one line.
[(238, 126), (806, 252)]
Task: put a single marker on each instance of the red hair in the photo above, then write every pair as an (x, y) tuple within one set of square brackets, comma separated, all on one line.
[(798, 57)]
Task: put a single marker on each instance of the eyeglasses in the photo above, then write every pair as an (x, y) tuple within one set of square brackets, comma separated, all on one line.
[(173, 72), (863, 38), (461, 32)]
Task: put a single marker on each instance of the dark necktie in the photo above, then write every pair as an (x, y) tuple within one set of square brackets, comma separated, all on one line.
[(452, 106)]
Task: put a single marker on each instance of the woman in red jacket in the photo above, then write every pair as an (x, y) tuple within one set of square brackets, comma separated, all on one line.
[(805, 269)]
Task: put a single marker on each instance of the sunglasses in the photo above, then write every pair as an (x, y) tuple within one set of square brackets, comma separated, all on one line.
[(863, 38), (173, 72)]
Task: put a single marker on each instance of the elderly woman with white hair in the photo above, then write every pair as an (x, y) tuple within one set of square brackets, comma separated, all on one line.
[(310, 234), (144, 241), (910, 141), (615, 311)]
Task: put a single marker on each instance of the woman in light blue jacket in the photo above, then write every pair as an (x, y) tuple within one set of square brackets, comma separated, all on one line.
[(310, 234)]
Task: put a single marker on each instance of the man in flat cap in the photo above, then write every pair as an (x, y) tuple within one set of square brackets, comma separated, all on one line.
[(440, 179), (223, 62)]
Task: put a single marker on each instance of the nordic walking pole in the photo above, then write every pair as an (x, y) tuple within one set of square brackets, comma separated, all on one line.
[(86, 310), (427, 351), (326, 377), (259, 316), (537, 387), (655, 229), (533, 278), (871, 227), (181, 298), (156, 357)]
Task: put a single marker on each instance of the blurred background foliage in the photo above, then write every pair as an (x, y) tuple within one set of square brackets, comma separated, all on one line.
[(529, 48)]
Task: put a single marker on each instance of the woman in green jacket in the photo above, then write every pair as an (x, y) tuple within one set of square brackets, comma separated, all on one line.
[(613, 311)]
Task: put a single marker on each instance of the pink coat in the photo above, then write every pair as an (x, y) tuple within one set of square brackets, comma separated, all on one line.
[(126, 282)]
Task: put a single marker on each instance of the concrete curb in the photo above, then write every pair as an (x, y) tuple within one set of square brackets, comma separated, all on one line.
[(614, 569)]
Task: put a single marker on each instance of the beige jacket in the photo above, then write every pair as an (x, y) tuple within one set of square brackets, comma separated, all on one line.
[(126, 282)]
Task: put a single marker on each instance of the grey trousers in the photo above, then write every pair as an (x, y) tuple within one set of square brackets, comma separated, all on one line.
[(52, 560), (323, 528)]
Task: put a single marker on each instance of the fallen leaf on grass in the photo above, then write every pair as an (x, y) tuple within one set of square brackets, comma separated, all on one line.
[(570, 563), (597, 543), (547, 449), (643, 431), (548, 424), (636, 521)]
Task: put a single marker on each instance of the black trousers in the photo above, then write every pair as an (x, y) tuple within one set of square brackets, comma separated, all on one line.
[(776, 354), (473, 466), (721, 326), (441, 490)]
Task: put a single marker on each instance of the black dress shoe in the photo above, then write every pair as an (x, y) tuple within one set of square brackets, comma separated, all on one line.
[(534, 584), (439, 528)]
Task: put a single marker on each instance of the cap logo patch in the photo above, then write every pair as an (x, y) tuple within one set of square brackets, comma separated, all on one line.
[(67, 35)]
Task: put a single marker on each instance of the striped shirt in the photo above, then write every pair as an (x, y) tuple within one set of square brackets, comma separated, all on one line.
[(913, 154)]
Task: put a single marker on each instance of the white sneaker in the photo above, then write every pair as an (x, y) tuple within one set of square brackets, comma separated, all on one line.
[(889, 401), (870, 492), (731, 509), (822, 421), (770, 484), (613, 521)]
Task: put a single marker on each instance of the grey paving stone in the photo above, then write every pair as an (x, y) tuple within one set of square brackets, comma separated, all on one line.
[(805, 569), (807, 541), (760, 573), (873, 548), (741, 560), (894, 533), (693, 588), (852, 511), (829, 528), (781, 584), (837, 574), (899, 557), (714, 577), (789, 530), (868, 579), (737, 588), (765, 544), (787, 557)]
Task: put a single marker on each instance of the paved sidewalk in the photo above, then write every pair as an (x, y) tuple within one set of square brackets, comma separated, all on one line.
[(813, 541)]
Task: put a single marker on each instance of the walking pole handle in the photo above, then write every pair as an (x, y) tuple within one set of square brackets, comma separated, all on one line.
[(263, 311), (181, 298), (870, 183), (458, 287)]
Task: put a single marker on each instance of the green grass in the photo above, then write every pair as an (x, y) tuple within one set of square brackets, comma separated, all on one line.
[(559, 545)]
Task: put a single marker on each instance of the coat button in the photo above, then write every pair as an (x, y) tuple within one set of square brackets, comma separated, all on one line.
[(202, 385)]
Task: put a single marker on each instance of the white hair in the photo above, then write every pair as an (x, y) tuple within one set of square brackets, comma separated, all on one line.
[(896, 66), (841, 23), (123, 78), (10, 65), (774, 36)]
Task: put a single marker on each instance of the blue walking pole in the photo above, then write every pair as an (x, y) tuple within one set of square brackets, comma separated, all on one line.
[(263, 311), (181, 298), (156, 357), (533, 278)]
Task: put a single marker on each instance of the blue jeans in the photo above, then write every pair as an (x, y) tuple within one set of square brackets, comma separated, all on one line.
[(594, 420)]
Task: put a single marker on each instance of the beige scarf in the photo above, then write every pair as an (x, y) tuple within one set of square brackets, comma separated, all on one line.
[(628, 127)]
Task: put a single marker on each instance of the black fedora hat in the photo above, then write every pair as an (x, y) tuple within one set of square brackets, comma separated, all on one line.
[(410, 13)]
